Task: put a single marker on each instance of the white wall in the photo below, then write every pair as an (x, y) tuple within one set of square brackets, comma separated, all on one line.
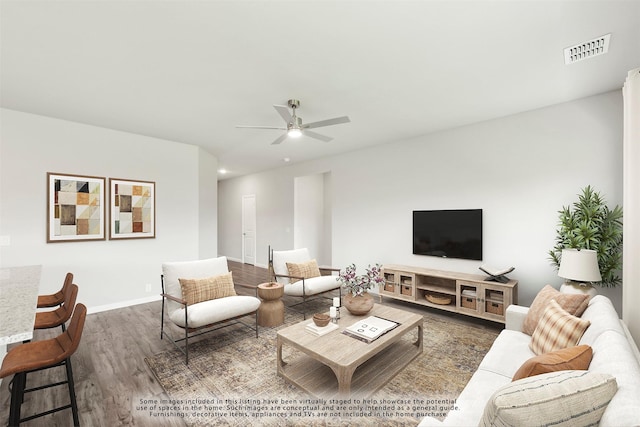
[(108, 273), (208, 204), (327, 197), (309, 214), (519, 169), (631, 266)]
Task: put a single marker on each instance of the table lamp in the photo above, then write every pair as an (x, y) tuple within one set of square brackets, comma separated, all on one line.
[(580, 268)]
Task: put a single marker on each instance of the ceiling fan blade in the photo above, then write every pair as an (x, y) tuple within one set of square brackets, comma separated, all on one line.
[(280, 139), (283, 110), (260, 127), (316, 135), (328, 122)]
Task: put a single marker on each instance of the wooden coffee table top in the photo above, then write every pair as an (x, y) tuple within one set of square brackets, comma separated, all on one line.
[(338, 348), (336, 364)]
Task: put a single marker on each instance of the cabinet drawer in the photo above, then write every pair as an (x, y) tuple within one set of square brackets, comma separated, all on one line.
[(469, 302), (495, 308)]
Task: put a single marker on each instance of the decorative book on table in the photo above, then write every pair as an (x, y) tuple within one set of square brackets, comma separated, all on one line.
[(319, 331), (370, 329)]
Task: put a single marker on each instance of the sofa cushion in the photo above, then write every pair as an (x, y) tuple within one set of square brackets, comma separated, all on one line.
[(312, 286), (573, 303), (215, 310), (613, 354), (472, 400), (198, 290), (603, 317), (572, 358), (557, 329), (508, 352), (565, 398), (305, 270)]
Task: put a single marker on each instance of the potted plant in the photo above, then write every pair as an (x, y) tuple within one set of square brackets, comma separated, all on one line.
[(357, 300), (592, 225)]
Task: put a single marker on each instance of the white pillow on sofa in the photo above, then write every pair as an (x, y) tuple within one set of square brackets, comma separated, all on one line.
[(564, 398)]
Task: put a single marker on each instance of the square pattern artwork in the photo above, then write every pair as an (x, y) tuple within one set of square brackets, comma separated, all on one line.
[(76, 208), (132, 209)]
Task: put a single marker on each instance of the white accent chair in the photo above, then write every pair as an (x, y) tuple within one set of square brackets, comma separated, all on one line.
[(205, 316), (303, 287)]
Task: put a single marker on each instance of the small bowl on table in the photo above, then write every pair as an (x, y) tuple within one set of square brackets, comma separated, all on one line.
[(321, 319)]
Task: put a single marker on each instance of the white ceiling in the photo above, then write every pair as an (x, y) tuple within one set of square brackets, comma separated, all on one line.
[(190, 71)]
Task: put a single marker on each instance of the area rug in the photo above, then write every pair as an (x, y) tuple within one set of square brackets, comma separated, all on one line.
[(231, 380)]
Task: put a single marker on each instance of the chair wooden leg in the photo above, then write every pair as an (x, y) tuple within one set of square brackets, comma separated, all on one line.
[(17, 396), (72, 393)]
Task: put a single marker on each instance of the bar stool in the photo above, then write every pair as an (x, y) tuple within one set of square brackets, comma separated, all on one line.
[(36, 356), (45, 301), (59, 316)]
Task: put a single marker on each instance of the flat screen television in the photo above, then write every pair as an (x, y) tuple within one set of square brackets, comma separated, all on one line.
[(448, 233)]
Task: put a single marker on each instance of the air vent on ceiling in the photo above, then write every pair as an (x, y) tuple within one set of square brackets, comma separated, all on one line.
[(586, 50)]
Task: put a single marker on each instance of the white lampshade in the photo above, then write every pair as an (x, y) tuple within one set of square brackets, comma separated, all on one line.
[(579, 265)]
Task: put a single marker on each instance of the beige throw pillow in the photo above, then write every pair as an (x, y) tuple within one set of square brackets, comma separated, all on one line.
[(305, 269), (198, 290), (572, 358), (574, 304), (556, 330), (560, 399)]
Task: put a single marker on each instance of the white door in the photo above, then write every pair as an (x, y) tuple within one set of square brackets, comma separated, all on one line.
[(249, 229)]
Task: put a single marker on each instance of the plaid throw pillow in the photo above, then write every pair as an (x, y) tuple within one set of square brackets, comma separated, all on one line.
[(556, 330), (574, 304), (198, 290), (305, 269)]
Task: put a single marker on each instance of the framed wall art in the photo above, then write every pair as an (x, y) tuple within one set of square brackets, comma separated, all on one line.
[(133, 209), (75, 208)]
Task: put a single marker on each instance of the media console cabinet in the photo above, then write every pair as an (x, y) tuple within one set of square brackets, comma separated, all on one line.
[(463, 293)]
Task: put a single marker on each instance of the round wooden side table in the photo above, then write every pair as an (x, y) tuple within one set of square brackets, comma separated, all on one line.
[(271, 311)]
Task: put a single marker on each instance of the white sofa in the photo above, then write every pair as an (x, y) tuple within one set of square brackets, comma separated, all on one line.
[(614, 352)]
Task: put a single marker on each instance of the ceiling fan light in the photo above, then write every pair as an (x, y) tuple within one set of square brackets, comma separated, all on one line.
[(294, 133)]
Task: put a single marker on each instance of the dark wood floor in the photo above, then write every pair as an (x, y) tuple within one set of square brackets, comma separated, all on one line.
[(109, 369)]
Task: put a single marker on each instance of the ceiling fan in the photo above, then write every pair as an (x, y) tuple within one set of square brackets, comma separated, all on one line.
[(294, 127)]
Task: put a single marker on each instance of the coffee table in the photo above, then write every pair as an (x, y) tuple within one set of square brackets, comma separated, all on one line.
[(336, 364)]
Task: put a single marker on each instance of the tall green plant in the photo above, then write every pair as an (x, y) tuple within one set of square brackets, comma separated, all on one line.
[(592, 225)]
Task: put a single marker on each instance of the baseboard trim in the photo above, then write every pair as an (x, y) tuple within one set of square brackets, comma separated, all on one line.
[(122, 304)]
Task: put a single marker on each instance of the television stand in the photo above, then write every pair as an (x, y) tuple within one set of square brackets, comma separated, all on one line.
[(468, 294)]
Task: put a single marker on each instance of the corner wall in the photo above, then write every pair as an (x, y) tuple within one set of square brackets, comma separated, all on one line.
[(519, 169), (109, 273)]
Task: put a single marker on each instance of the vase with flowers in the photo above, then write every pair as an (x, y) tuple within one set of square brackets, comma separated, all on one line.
[(357, 300)]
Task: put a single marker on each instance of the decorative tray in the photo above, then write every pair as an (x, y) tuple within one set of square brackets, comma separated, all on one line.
[(438, 299)]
